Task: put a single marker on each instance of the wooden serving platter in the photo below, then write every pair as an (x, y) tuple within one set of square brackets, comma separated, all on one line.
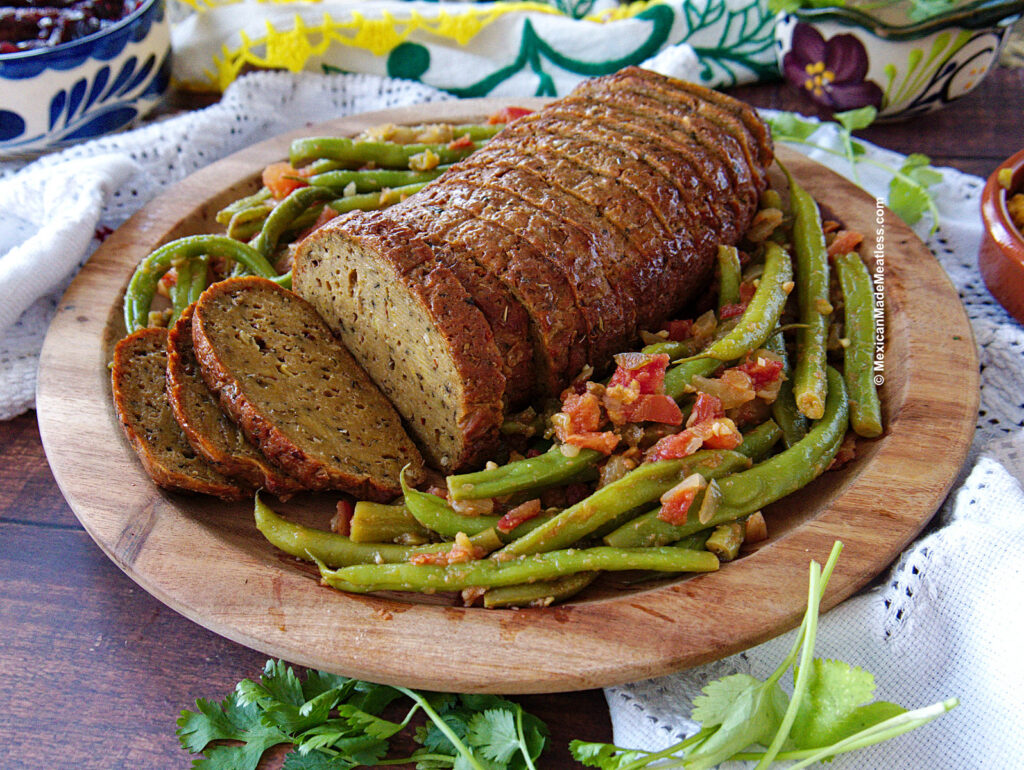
[(206, 560)]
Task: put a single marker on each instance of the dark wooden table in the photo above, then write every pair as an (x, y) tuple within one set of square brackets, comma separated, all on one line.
[(94, 671)]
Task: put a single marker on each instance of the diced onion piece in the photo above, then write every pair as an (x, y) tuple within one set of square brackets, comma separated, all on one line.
[(483, 507), (709, 504), (756, 528)]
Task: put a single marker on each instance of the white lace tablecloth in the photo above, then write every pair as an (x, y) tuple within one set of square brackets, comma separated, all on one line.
[(947, 623)]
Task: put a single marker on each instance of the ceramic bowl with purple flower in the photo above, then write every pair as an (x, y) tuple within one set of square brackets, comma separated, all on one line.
[(890, 54)]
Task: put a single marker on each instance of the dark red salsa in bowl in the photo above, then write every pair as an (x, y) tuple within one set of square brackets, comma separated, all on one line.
[(27, 25)]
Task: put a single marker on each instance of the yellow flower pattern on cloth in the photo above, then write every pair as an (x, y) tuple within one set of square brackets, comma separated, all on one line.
[(471, 49)]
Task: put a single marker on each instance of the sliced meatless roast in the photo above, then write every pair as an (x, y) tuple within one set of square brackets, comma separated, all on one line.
[(297, 393), (209, 431), (598, 216), (413, 328), (138, 377)]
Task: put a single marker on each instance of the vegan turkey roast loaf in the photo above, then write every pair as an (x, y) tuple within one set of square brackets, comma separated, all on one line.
[(573, 229)]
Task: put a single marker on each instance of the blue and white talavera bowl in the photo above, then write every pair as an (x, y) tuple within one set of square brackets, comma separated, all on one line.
[(847, 56), (53, 97)]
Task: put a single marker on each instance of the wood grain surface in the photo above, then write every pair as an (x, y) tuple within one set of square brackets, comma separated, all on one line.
[(205, 559)]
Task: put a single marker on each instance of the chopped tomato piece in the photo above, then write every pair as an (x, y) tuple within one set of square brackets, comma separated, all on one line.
[(282, 179), (604, 442), (507, 115), (676, 510), (747, 291), (519, 514), (462, 143), (678, 331), (731, 311), (341, 522), (720, 433), (584, 412), (845, 242), (675, 504), (705, 408), (439, 491), (673, 447), (647, 370), (761, 370), (655, 407)]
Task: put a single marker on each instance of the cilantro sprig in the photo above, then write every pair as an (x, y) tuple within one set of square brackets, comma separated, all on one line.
[(335, 723), (830, 711), (910, 195)]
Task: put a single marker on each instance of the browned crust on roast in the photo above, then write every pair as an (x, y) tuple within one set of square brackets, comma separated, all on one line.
[(676, 211), (538, 282), (189, 397), (578, 240), (259, 426), (679, 133), (194, 474), (458, 320), (672, 88), (509, 321), (732, 116), (684, 269)]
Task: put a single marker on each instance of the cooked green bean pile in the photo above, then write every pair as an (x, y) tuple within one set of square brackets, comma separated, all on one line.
[(337, 173), (665, 467)]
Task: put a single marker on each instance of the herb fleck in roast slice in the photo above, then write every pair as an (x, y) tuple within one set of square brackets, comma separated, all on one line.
[(140, 400), (296, 391)]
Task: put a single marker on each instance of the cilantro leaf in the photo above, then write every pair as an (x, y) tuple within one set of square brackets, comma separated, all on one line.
[(746, 710), (834, 691), (212, 722), (854, 120), (494, 733), (257, 738), (604, 755), (790, 127)]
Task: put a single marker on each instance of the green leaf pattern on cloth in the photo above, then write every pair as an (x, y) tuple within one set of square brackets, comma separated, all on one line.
[(479, 49)]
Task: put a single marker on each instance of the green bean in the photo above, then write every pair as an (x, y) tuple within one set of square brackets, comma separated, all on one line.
[(726, 540), (434, 513), (284, 215), (784, 411), (540, 594), (179, 291), (634, 490), (381, 154), (373, 180), (753, 489), (763, 312), (380, 523), (679, 377), (696, 541), (375, 200), (673, 349), (728, 276), (647, 530), (492, 573), (858, 358), (138, 297), (338, 550), (256, 200), (248, 222), (812, 297), (529, 475), (758, 442)]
